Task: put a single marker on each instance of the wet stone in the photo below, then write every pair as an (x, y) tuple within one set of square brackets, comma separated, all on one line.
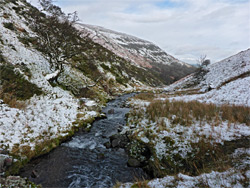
[(111, 111), (119, 140), (107, 145), (87, 159), (34, 174), (5, 162), (115, 143)]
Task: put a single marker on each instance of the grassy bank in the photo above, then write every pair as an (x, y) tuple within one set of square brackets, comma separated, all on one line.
[(187, 137)]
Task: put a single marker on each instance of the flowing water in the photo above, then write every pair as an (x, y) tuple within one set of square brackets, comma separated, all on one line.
[(84, 161)]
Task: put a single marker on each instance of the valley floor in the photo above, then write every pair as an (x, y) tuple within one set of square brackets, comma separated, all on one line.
[(199, 140)]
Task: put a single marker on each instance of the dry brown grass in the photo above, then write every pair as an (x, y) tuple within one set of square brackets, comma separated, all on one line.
[(184, 92), (145, 96), (186, 112), (137, 184), (140, 184), (11, 100)]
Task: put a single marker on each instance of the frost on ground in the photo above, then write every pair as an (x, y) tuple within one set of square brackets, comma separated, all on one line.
[(227, 82), (209, 150), (45, 117), (237, 177), (202, 151), (235, 93), (59, 108)]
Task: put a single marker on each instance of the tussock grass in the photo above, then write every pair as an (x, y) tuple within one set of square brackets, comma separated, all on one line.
[(140, 184), (11, 100), (204, 154), (181, 112), (145, 96)]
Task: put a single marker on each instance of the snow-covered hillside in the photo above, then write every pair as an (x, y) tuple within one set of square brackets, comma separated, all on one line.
[(43, 117), (226, 82), (31, 117), (140, 52), (197, 131), (227, 70)]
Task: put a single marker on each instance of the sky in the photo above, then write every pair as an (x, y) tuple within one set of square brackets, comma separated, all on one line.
[(185, 29)]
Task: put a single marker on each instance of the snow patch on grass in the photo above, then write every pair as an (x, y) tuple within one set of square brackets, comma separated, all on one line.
[(236, 92), (45, 117)]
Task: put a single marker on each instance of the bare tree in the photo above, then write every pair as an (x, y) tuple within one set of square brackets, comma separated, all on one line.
[(202, 61), (202, 70), (57, 38)]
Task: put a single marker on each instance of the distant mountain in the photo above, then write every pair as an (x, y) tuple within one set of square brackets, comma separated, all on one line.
[(140, 52)]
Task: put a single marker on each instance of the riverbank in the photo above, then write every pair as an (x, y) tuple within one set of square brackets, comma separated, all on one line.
[(189, 144), (87, 162), (89, 110)]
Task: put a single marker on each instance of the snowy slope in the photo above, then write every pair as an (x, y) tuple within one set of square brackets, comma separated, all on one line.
[(227, 69), (134, 47), (228, 82), (45, 117), (140, 52), (218, 73), (60, 107), (236, 92)]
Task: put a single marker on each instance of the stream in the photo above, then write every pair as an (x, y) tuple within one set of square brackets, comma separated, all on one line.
[(84, 161)]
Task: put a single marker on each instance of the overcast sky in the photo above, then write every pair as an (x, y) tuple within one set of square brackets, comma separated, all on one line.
[(185, 29)]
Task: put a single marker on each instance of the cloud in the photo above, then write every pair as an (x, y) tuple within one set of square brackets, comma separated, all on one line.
[(184, 28)]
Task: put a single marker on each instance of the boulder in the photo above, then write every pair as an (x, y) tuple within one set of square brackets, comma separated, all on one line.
[(119, 140), (116, 143), (5, 162), (119, 128)]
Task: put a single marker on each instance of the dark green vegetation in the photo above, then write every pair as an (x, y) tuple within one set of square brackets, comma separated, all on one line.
[(9, 25), (14, 86)]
